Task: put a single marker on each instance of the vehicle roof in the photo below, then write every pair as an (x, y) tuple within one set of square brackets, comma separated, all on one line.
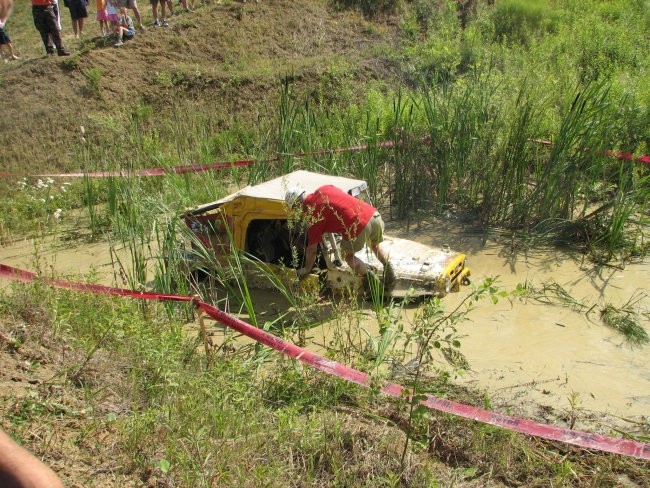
[(276, 188)]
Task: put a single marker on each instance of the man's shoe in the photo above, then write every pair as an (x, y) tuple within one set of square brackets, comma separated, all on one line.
[(164, 23), (63, 52), (156, 23), (118, 43)]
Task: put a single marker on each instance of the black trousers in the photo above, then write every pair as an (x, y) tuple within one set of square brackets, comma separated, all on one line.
[(45, 21)]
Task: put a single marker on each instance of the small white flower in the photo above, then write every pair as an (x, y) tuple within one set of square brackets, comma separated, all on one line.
[(57, 214), (82, 129), (63, 189), (40, 184), (51, 197), (42, 200), (49, 181)]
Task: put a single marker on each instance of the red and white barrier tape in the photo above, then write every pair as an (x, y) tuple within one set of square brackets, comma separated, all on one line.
[(599, 442), (202, 168), (623, 156), (192, 168)]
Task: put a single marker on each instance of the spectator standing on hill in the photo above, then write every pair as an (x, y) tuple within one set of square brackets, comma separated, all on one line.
[(102, 18), (45, 15), (185, 7), (111, 10), (50, 42), (133, 5), (154, 11), (125, 29), (78, 12), (5, 8), (4, 38)]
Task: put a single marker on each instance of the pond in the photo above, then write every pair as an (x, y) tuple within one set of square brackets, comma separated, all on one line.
[(526, 356)]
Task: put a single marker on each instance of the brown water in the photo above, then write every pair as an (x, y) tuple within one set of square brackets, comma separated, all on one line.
[(523, 354), (531, 354)]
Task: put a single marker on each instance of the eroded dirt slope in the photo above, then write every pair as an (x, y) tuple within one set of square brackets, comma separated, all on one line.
[(229, 54)]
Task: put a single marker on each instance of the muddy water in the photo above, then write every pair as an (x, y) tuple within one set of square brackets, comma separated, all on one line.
[(522, 354), (53, 256), (529, 354)]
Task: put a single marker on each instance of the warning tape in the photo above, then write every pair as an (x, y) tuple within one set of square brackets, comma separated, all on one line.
[(623, 156), (219, 166), (194, 168), (599, 442)]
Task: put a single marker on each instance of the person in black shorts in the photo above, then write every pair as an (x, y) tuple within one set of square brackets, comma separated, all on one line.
[(4, 38), (78, 12)]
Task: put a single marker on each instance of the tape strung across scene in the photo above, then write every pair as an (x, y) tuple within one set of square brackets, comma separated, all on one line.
[(194, 168), (219, 166), (623, 156), (624, 447)]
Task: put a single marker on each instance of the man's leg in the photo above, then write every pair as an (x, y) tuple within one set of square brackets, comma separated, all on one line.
[(52, 26), (154, 12), (39, 23), (136, 12)]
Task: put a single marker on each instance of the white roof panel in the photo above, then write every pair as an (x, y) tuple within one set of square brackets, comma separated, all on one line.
[(276, 188)]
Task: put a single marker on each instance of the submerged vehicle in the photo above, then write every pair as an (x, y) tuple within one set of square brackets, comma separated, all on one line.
[(256, 220)]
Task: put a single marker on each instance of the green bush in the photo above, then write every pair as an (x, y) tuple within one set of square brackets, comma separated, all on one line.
[(516, 21)]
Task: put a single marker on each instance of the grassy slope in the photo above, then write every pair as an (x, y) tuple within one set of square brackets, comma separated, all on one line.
[(228, 55), (144, 396)]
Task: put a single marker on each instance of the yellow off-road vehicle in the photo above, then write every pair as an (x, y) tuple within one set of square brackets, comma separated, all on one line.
[(255, 220)]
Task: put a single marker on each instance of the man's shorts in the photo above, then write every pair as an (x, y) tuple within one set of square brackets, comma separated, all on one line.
[(4, 38), (126, 3), (372, 233)]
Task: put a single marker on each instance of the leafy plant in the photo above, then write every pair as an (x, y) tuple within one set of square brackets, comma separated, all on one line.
[(93, 80)]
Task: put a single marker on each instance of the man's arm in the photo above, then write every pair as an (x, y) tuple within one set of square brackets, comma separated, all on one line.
[(310, 259), (20, 469)]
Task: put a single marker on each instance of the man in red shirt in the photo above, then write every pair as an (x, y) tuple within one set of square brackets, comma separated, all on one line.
[(331, 210), (46, 22)]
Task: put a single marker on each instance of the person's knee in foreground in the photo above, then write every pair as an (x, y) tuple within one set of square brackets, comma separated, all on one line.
[(331, 210), (20, 469)]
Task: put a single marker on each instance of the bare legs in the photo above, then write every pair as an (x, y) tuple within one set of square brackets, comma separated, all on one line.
[(78, 27)]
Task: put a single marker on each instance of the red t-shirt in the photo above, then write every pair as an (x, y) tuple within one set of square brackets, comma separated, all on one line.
[(41, 3), (332, 210)]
